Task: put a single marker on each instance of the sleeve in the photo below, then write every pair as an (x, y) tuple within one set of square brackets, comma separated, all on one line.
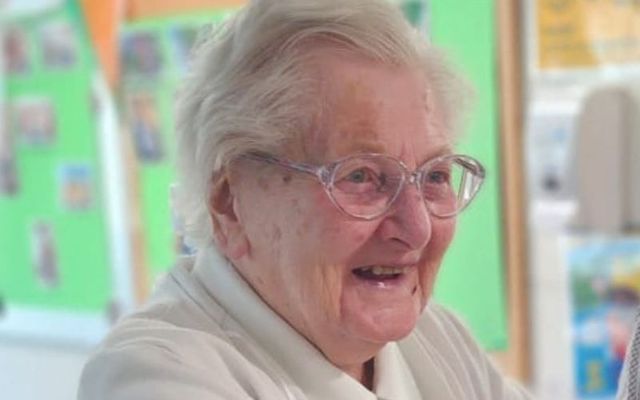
[(153, 373)]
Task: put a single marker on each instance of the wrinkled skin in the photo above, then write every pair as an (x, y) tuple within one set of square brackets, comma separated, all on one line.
[(298, 251)]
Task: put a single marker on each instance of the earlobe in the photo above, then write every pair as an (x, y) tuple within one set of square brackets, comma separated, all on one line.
[(227, 227), (237, 248)]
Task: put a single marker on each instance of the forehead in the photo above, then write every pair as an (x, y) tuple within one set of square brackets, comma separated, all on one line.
[(374, 107)]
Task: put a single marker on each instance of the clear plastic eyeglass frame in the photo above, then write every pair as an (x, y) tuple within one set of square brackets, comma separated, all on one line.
[(471, 181)]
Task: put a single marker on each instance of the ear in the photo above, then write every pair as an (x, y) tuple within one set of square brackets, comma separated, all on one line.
[(227, 227)]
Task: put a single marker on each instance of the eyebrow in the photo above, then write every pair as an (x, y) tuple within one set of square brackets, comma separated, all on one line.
[(378, 147), (368, 146), (441, 151)]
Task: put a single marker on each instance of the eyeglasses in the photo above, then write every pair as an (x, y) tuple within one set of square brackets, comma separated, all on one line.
[(364, 186)]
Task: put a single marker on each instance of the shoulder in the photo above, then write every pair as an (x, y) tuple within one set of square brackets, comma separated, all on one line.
[(146, 359), (154, 368), (443, 340), (176, 347), (443, 335)]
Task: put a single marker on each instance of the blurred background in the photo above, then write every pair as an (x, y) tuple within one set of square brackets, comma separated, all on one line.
[(545, 268)]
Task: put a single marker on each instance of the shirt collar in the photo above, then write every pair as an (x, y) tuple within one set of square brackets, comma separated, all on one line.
[(316, 376), (393, 379)]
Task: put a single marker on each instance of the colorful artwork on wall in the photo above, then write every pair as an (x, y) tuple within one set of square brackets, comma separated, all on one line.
[(605, 295)]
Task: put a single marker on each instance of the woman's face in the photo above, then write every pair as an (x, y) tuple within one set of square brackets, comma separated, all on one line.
[(306, 259)]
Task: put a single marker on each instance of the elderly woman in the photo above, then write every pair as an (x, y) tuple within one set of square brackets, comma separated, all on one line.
[(321, 190)]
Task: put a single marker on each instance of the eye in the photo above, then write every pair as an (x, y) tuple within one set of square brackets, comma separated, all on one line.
[(368, 175), (438, 177), (361, 175), (362, 179)]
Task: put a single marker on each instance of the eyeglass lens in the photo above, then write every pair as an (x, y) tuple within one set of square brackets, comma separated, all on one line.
[(366, 187)]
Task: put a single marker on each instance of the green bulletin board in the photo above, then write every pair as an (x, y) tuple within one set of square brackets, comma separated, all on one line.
[(53, 239), (154, 56), (472, 276), (56, 259)]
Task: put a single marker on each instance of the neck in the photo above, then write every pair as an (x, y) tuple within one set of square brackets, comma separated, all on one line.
[(363, 373)]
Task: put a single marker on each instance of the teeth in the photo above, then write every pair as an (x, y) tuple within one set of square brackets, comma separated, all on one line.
[(384, 270)]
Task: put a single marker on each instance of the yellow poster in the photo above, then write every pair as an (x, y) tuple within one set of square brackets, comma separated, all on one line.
[(587, 33)]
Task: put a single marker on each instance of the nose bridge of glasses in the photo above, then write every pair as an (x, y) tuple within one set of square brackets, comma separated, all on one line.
[(409, 179), (409, 203), (414, 178), (323, 173)]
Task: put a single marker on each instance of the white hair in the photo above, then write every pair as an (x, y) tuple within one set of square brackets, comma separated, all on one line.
[(248, 89)]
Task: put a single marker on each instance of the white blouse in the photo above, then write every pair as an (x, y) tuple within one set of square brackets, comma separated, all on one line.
[(206, 335)]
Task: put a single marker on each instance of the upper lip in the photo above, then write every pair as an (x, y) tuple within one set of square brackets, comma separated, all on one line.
[(388, 264)]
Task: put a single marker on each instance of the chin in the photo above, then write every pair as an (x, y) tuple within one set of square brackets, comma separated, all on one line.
[(385, 326)]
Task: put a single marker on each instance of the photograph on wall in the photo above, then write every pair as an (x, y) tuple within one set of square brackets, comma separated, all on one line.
[(75, 186), (183, 38), (15, 49), (141, 55), (9, 184), (145, 126), (34, 121), (582, 34), (605, 295), (58, 44), (44, 254)]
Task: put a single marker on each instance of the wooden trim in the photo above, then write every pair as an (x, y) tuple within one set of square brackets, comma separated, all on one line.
[(103, 18), (516, 360), (140, 273)]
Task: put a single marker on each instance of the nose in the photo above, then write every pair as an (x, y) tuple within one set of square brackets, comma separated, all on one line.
[(408, 221)]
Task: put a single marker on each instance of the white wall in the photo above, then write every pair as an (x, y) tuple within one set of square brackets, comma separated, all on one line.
[(39, 372)]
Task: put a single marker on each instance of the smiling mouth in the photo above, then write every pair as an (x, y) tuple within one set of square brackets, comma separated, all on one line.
[(379, 272)]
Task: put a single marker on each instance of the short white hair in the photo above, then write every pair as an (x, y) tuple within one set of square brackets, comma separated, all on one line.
[(248, 89)]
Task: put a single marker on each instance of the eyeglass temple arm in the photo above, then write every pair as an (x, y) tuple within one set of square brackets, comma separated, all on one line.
[(271, 159), (477, 168)]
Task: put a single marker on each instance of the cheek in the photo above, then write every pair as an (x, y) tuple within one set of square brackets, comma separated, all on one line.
[(443, 231), (300, 227), (266, 213), (332, 232), (322, 242)]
